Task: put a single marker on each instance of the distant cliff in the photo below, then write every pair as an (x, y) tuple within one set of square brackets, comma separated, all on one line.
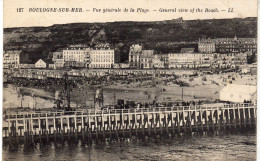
[(163, 36)]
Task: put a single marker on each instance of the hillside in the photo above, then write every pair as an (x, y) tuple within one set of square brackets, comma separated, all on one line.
[(163, 36)]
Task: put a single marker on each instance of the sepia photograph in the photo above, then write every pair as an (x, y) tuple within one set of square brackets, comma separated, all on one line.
[(129, 80)]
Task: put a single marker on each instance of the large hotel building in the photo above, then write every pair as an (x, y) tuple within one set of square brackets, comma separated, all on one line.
[(135, 53), (15, 59), (76, 55), (227, 45), (102, 57)]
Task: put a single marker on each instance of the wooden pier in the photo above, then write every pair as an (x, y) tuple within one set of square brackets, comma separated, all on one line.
[(100, 124)]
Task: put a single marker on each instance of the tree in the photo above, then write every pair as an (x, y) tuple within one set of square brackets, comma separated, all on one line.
[(251, 59)]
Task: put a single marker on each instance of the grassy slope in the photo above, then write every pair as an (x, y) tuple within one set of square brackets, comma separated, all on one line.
[(154, 35)]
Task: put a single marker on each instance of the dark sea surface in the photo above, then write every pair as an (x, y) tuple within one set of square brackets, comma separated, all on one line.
[(225, 147)]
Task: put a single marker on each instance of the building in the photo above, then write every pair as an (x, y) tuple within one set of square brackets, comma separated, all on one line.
[(158, 61), (172, 21), (187, 50), (80, 56), (165, 58), (146, 59), (231, 60), (236, 45), (76, 56), (57, 55), (238, 93), (14, 58), (134, 55), (200, 60), (102, 56), (207, 46), (247, 45), (57, 58), (182, 60), (44, 63), (40, 64), (227, 45), (59, 63), (189, 60)]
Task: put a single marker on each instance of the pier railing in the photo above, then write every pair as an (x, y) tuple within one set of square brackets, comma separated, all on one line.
[(127, 122), (119, 111)]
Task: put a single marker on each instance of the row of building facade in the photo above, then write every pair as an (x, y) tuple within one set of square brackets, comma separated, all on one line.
[(227, 45), (102, 56), (146, 59), (217, 53)]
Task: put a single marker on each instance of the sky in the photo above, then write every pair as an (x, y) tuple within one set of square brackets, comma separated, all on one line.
[(12, 18)]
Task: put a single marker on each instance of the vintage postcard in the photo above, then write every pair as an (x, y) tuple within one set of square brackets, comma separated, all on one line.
[(129, 80)]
